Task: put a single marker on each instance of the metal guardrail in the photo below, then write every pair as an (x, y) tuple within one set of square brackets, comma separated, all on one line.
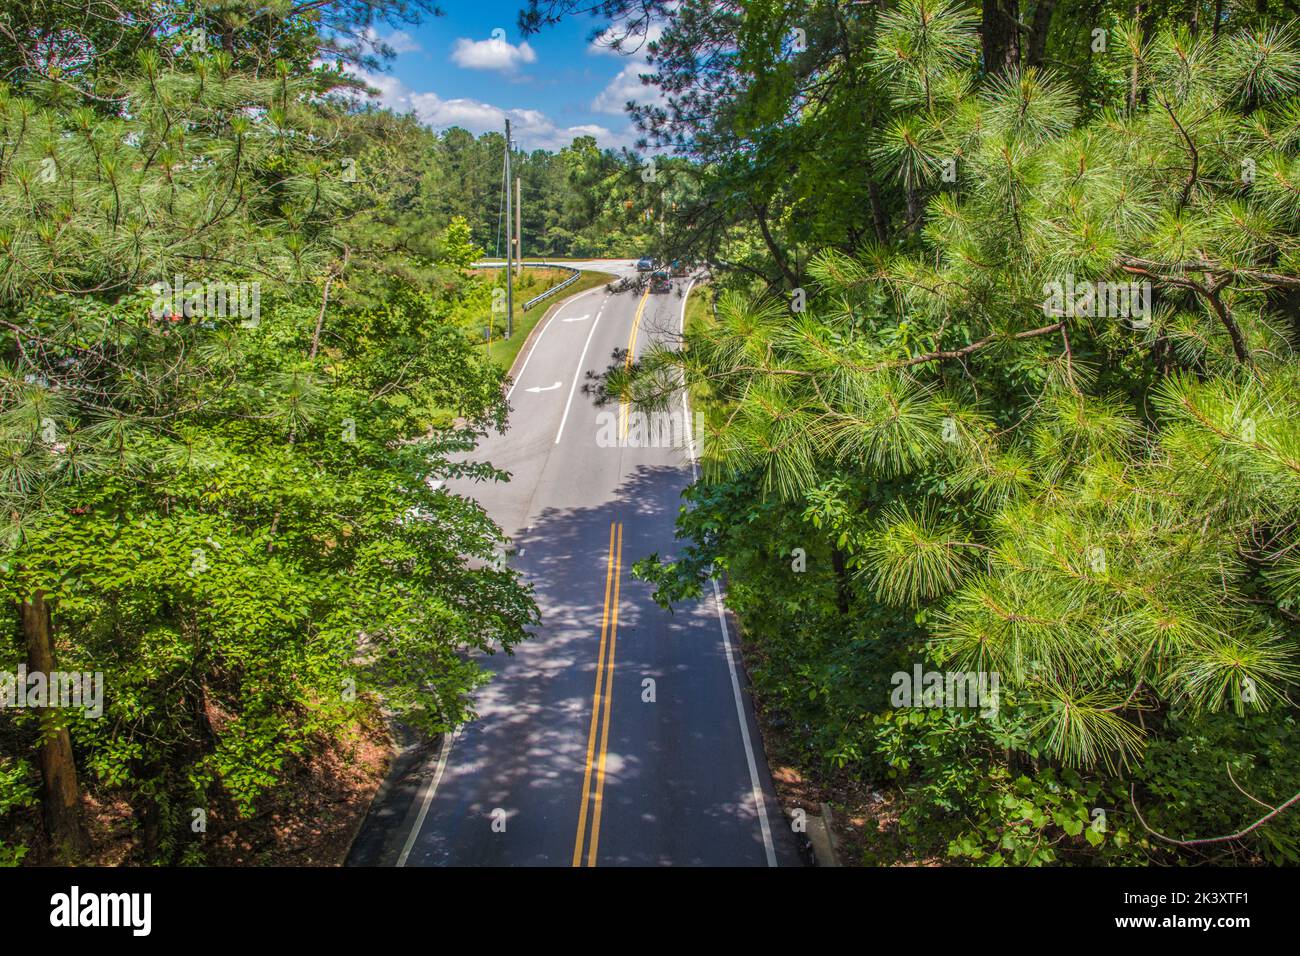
[(553, 289), (537, 265)]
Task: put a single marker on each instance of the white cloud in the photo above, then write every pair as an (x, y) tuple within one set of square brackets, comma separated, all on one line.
[(402, 42), (493, 54), (399, 40), (532, 129), (626, 86)]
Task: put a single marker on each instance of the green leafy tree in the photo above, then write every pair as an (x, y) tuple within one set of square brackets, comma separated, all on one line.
[(222, 436), (458, 249)]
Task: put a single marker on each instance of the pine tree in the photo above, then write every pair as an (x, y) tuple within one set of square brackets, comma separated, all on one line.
[(1100, 507)]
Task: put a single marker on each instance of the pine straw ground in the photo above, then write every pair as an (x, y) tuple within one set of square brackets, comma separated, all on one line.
[(864, 821)]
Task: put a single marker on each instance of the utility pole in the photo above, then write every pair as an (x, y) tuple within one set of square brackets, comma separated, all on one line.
[(510, 247), (519, 228)]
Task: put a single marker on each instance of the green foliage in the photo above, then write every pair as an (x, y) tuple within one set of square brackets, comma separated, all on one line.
[(579, 201), (1198, 774), (16, 790), (972, 806), (989, 474), (458, 249), (239, 518)]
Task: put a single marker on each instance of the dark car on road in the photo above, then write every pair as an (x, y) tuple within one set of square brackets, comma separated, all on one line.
[(645, 264), (660, 281)]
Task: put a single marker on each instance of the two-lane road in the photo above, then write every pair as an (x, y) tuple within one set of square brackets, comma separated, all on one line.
[(621, 734)]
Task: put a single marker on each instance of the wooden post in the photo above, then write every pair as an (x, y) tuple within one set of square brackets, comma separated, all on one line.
[(510, 247)]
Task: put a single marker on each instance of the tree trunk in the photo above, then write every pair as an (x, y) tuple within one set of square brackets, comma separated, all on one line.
[(840, 566), (760, 212), (1000, 35), (1133, 70), (878, 220), (60, 798), (1038, 32), (915, 211)]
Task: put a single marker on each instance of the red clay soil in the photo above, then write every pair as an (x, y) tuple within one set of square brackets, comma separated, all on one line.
[(309, 819)]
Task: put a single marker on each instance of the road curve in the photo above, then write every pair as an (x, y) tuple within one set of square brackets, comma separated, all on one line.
[(621, 734)]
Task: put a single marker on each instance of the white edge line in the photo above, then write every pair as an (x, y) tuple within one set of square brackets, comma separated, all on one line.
[(533, 348), (576, 375), (431, 787), (757, 788), (686, 404), (759, 804)]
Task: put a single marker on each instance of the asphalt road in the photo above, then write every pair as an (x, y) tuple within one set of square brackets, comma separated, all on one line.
[(621, 734)]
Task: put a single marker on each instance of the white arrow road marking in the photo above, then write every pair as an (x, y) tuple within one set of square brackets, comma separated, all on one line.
[(537, 341), (576, 375), (538, 388), (578, 318)]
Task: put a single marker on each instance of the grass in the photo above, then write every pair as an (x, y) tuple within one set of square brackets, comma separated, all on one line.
[(503, 351), (530, 281), (699, 311), (699, 316)]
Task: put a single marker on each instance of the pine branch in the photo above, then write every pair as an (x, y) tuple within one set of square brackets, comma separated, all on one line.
[(1210, 292), (1158, 270), (1207, 840), (1191, 149), (973, 347)]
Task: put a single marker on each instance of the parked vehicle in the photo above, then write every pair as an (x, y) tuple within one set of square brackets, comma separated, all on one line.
[(678, 268), (645, 264), (660, 281)]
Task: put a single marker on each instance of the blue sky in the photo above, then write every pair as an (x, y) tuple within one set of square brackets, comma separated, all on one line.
[(471, 68)]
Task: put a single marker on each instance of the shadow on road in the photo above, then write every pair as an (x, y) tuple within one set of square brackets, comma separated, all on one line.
[(677, 785)]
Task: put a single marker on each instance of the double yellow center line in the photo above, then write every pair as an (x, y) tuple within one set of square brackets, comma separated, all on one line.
[(593, 779), (600, 705), (627, 363)]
